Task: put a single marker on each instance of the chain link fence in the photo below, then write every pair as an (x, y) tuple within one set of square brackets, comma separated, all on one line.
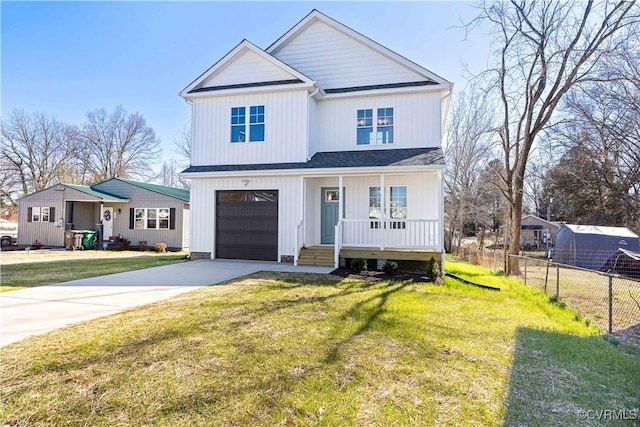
[(609, 299)]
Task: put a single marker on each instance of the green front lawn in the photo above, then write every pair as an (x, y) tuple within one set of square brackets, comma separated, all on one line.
[(18, 276), (284, 349)]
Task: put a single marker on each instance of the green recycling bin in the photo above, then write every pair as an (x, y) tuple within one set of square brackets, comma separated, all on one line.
[(89, 239)]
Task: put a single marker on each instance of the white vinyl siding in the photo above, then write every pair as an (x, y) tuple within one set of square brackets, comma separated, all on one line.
[(285, 130), (422, 197), (416, 121), (335, 60), (203, 209), (247, 67)]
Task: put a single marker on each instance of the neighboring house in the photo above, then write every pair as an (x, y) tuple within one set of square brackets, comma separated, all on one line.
[(537, 232), (134, 210), (326, 145)]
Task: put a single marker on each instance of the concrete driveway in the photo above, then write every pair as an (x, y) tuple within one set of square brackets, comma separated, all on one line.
[(35, 311)]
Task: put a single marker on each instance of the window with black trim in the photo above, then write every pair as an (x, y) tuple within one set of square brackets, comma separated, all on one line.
[(40, 214), (152, 218)]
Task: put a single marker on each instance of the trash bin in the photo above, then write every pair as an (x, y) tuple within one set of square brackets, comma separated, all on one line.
[(77, 240), (68, 240), (89, 239)]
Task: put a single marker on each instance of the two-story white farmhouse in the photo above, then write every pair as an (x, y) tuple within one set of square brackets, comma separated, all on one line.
[(326, 145)]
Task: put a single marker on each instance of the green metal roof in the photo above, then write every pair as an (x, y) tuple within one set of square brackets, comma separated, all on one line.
[(95, 193), (176, 193)]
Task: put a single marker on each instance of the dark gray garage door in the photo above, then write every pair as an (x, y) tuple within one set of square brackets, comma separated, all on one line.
[(247, 225)]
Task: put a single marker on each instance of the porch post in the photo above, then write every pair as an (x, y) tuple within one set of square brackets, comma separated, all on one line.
[(303, 209), (340, 199), (441, 219), (383, 204), (99, 224)]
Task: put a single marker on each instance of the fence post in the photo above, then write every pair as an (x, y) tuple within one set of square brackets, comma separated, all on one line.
[(495, 259), (525, 270), (557, 282), (610, 303)]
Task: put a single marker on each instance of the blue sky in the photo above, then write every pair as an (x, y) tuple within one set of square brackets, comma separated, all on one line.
[(66, 58)]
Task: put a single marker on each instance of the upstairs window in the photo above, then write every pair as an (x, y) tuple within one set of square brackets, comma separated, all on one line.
[(238, 127), (365, 127), (256, 123), (381, 126), (239, 124), (384, 134)]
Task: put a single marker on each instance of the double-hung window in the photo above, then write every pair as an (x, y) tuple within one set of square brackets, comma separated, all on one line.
[(378, 130), (239, 124), (152, 218), (238, 127), (365, 127), (40, 214), (396, 198), (256, 123), (35, 214)]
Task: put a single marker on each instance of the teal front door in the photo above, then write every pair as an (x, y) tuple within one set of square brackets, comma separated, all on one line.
[(329, 213)]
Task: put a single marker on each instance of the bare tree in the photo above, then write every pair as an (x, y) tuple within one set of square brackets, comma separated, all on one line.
[(119, 144), (544, 49), (183, 146), (36, 150), (468, 145), (169, 175)]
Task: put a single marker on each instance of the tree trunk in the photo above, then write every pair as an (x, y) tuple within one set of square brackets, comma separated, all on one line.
[(513, 263)]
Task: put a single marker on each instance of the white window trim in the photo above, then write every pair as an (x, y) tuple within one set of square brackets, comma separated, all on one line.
[(374, 125), (145, 219), (247, 124), (40, 211), (33, 214), (385, 210)]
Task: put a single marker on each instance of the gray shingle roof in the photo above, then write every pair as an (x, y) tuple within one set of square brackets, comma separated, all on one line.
[(343, 159)]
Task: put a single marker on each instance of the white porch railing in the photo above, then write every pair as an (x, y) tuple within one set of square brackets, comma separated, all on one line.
[(388, 233)]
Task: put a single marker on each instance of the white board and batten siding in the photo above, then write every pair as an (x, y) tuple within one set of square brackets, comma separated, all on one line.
[(285, 129), (336, 60), (142, 198), (246, 67), (203, 208), (416, 119), (423, 200)]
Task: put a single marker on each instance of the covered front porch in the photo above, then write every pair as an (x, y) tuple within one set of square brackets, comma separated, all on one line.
[(397, 216)]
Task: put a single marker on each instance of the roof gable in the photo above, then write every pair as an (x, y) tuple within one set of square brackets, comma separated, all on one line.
[(176, 193), (246, 65), (88, 193), (102, 195), (336, 56)]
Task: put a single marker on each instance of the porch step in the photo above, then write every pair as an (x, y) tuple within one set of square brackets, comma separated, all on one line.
[(319, 256)]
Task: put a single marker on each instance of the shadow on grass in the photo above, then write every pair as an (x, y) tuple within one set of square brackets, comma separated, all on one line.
[(562, 379)]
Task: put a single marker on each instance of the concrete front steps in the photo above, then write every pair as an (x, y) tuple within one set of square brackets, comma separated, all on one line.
[(320, 256)]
